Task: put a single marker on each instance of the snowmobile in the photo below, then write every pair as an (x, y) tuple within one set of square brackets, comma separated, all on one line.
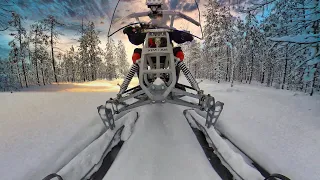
[(158, 83), (167, 91)]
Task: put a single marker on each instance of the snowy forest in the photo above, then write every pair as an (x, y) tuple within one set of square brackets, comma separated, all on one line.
[(281, 50), (35, 58), (271, 42)]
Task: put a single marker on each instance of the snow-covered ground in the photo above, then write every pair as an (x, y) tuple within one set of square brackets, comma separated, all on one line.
[(280, 129), (40, 132), (93, 86), (163, 146)]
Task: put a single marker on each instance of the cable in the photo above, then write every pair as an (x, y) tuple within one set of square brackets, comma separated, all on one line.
[(122, 28), (112, 17), (199, 18)]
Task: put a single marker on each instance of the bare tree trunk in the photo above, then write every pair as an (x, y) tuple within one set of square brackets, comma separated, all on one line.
[(36, 56), (289, 81), (247, 75), (315, 31), (227, 74), (83, 73), (37, 71), (269, 75), (52, 54), (285, 69), (29, 53), (314, 80), (262, 79), (20, 56), (240, 74), (42, 73), (19, 74), (251, 69), (272, 76), (232, 69)]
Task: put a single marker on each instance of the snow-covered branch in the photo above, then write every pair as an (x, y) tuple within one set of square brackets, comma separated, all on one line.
[(299, 39)]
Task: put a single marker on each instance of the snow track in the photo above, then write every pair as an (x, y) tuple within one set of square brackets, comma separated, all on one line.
[(231, 159), (278, 129), (163, 146)]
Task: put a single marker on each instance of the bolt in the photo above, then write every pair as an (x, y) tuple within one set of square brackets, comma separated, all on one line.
[(162, 87)]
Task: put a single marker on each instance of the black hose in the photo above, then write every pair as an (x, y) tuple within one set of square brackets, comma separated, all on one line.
[(122, 28), (199, 18), (113, 17)]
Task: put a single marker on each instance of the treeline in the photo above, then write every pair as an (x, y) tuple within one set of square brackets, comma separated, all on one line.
[(35, 59), (281, 50)]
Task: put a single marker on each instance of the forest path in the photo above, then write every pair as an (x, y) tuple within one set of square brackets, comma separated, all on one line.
[(91, 86)]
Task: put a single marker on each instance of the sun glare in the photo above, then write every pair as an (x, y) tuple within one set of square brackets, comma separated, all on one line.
[(96, 86)]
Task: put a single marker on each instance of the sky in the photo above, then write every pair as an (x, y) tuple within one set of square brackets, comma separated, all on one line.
[(72, 12)]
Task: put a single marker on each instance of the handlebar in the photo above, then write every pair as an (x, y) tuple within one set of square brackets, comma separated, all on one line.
[(156, 30)]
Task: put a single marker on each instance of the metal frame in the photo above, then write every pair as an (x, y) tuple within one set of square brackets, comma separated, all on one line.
[(165, 92), (152, 91), (170, 13)]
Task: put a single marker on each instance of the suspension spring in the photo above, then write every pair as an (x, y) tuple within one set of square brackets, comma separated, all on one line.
[(188, 75), (134, 68)]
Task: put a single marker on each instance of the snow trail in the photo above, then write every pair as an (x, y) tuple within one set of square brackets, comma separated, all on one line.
[(163, 146), (279, 129), (40, 132)]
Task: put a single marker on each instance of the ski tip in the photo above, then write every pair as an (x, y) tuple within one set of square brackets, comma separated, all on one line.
[(53, 176)]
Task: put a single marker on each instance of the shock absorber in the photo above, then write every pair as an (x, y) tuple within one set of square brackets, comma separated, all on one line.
[(188, 75), (134, 68)]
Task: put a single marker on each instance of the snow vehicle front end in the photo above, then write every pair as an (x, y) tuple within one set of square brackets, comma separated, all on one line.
[(159, 62)]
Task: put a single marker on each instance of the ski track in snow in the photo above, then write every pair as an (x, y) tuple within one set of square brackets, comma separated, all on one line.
[(280, 129), (163, 146), (40, 132)]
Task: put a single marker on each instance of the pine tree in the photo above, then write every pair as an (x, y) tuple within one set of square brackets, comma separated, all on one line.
[(194, 58), (4, 10), (122, 62), (83, 51), (45, 67), (39, 39), (51, 24), (19, 36), (93, 49), (293, 25), (89, 51), (110, 60)]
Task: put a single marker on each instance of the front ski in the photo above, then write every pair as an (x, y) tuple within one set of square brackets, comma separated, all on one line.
[(213, 114), (51, 176), (106, 115), (213, 110), (235, 172)]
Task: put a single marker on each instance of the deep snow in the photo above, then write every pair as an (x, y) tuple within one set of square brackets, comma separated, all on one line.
[(41, 132), (89, 160), (280, 129), (163, 146), (232, 159)]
